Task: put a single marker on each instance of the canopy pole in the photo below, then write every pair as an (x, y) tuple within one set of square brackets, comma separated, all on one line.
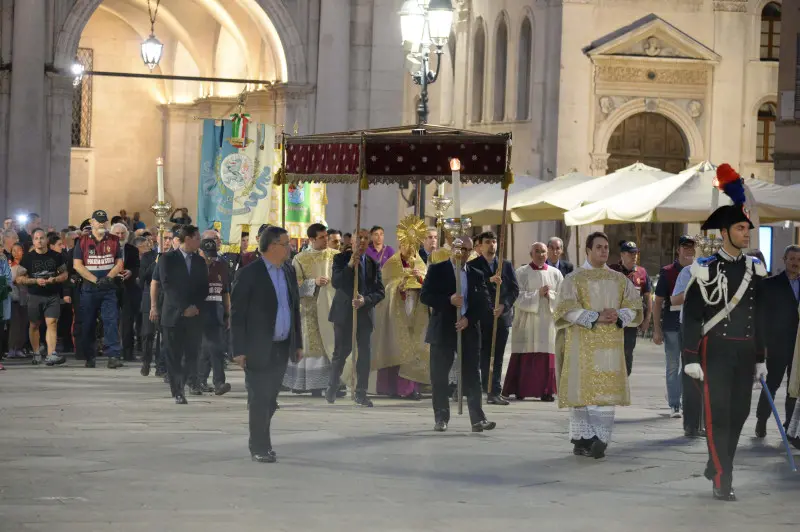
[(362, 176), (499, 272), (283, 184)]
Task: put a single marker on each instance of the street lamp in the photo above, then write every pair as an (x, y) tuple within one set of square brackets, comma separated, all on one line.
[(425, 24), (152, 47)]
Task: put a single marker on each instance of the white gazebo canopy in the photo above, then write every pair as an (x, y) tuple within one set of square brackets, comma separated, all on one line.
[(553, 203), (687, 197), (484, 202)]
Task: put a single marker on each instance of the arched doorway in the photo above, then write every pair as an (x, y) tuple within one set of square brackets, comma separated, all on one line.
[(656, 141)]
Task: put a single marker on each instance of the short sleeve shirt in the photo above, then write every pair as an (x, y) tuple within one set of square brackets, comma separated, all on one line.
[(44, 266), (667, 279)]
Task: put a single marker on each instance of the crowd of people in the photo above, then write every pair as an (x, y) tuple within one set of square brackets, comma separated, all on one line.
[(427, 319)]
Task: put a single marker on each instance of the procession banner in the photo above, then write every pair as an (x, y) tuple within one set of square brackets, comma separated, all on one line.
[(238, 161), (305, 205)]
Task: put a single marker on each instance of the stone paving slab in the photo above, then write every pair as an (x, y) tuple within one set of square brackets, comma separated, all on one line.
[(102, 450)]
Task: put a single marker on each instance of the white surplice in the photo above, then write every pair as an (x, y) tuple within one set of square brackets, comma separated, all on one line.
[(534, 329)]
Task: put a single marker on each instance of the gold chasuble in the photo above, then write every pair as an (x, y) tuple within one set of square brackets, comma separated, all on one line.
[(590, 359), (315, 301)]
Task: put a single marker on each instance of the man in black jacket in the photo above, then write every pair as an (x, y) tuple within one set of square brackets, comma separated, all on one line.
[(265, 325), (127, 293), (452, 312), (370, 293), (487, 263), (555, 248), (147, 266), (183, 278), (782, 296)]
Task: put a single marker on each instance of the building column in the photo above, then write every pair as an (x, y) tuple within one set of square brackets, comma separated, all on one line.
[(59, 126), (27, 185), (333, 98)]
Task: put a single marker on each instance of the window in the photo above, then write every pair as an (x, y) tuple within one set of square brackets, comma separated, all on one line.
[(82, 103), (478, 60), (500, 72), (765, 139), (770, 32), (524, 71)]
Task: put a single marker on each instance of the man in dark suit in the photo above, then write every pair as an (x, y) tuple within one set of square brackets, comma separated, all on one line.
[(127, 293), (555, 248), (452, 312), (265, 322), (781, 295), (147, 265), (487, 263), (370, 293), (183, 279)]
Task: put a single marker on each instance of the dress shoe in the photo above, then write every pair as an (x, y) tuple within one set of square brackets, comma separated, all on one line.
[(598, 449), (761, 428), (180, 400), (548, 399), (414, 396), (206, 388), (724, 494), (362, 400), (90, 364), (330, 395), (145, 371), (480, 426), (440, 426), (316, 393), (580, 449), (694, 433), (195, 390), (497, 400), (795, 442), (267, 458), (341, 393), (114, 363), (160, 373), (222, 389)]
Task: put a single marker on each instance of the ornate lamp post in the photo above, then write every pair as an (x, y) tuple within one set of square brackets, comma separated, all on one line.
[(425, 26), (152, 47)]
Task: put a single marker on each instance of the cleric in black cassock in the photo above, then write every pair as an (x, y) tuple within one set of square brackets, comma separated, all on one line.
[(723, 348)]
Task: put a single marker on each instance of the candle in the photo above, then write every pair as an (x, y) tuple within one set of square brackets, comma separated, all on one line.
[(455, 167), (160, 169)]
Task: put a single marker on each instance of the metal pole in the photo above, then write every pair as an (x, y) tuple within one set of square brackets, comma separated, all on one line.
[(459, 350), (497, 289), (353, 375), (422, 119)]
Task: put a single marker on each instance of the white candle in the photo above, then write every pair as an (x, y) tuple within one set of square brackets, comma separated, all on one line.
[(455, 167), (441, 190), (160, 169)]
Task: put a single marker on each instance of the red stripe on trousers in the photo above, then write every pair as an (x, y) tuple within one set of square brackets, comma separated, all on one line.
[(707, 406)]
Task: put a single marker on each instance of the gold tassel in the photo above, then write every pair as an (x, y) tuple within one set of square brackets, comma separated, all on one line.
[(324, 194), (280, 177), (508, 179), (364, 182)]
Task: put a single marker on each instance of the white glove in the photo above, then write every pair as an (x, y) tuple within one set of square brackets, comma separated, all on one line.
[(761, 372), (694, 371)]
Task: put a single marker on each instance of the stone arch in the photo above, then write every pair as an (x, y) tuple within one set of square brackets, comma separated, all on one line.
[(694, 139), (279, 17)]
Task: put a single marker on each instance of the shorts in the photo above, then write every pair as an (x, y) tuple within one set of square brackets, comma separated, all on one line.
[(43, 307)]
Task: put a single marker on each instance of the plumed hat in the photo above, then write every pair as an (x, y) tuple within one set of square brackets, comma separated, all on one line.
[(731, 183)]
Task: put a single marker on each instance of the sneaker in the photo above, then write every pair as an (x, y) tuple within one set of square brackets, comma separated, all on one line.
[(54, 359), (676, 413), (37, 359), (361, 399), (114, 363)]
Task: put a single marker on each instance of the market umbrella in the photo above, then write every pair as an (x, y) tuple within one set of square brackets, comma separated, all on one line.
[(484, 202), (687, 197), (536, 205)]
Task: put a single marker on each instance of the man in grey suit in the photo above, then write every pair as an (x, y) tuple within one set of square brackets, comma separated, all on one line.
[(265, 327)]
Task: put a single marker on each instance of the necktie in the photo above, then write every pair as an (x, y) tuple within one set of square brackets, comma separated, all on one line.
[(189, 263)]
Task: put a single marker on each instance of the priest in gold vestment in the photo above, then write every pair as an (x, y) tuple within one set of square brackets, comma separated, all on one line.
[(399, 351), (593, 306), (313, 268)]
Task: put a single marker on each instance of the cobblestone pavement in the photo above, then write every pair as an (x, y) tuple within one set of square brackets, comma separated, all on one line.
[(103, 450)]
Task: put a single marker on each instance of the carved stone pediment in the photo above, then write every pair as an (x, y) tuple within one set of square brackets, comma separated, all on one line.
[(650, 37)]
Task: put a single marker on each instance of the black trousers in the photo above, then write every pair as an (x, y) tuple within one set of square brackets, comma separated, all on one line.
[(77, 335), (263, 386), (441, 361), (486, 354), (778, 365), (728, 366), (212, 355), (182, 344), (343, 346), (151, 348), (630, 343), (127, 316), (692, 399), (64, 328)]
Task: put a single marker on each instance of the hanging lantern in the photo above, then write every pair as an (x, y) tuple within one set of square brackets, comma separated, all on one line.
[(77, 73), (152, 47)]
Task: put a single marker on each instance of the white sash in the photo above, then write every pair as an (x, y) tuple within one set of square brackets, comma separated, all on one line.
[(730, 305)]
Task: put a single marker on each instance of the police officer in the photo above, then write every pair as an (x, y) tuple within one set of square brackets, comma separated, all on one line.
[(628, 252), (723, 346), (216, 313)]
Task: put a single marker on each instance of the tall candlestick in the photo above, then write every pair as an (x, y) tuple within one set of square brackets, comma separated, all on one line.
[(441, 190), (455, 167), (160, 171)]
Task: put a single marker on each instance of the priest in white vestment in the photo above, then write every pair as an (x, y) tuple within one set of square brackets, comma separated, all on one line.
[(593, 306), (532, 369), (314, 269)]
